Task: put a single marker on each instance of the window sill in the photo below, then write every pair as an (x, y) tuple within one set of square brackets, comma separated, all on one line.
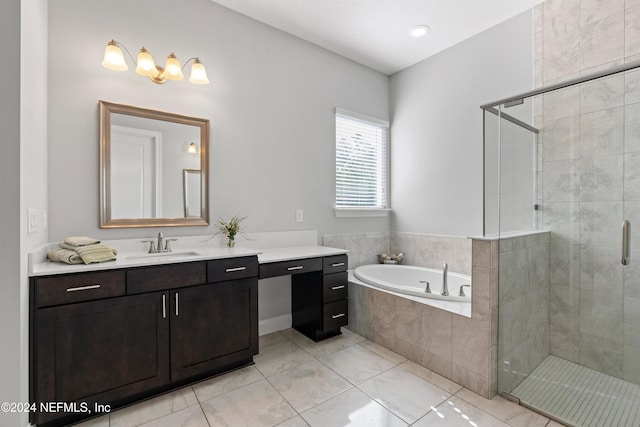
[(360, 212)]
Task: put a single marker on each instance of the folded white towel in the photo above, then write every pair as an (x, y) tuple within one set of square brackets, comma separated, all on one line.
[(80, 241)]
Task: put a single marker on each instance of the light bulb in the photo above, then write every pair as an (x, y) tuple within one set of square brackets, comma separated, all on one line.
[(198, 73), (113, 57), (146, 66), (173, 69)]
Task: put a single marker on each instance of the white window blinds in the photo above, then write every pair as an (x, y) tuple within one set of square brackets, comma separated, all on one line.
[(361, 161)]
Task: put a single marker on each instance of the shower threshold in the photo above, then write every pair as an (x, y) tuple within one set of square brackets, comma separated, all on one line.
[(579, 396)]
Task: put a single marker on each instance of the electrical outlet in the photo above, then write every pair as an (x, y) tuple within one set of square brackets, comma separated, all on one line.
[(45, 220), (299, 215), (32, 220)]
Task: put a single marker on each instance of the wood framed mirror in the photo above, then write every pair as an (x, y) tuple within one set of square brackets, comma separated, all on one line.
[(143, 155)]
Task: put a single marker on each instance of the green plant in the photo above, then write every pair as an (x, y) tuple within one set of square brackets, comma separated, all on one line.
[(229, 229)]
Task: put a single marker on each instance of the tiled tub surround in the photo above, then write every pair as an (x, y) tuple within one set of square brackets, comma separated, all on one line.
[(459, 348), (429, 250), (590, 135), (523, 302), (363, 247)]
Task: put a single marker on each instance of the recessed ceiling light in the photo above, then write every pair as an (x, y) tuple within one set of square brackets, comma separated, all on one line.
[(419, 30)]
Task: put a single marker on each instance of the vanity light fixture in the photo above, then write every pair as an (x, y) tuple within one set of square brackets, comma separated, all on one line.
[(192, 148), (146, 66), (419, 30)]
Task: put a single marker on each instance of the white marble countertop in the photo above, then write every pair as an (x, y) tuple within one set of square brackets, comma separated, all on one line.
[(297, 252), (40, 266)]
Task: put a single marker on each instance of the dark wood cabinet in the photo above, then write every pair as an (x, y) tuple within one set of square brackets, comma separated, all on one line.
[(114, 337), (319, 299), (213, 327)]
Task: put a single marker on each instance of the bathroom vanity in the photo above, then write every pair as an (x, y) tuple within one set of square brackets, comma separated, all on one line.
[(106, 335)]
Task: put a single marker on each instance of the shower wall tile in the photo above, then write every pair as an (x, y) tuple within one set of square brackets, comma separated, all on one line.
[(601, 132), (561, 56), (603, 41), (632, 31), (631, 335), (601, 314), (594, 10), (632, 128), (564, 342), (601, 178), (599, 221), (561, 103), (631, 368), (560, 17), (602, 354), (602, 94), (363, 247), (537, 18), (561, 181), (537, 46), (631, 3), (564, 265), (564, 307), (632, 176), (600, 269), (632, 311), (632, 86), (562, 219), (561, 139)]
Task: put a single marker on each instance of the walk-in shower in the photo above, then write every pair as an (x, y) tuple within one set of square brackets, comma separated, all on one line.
[(562, 195)]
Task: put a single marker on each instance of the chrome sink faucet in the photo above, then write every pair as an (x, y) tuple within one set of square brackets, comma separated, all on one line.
[(445, 288), (159, 247)]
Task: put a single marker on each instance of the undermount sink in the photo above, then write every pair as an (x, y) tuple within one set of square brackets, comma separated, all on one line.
[(177, 254)]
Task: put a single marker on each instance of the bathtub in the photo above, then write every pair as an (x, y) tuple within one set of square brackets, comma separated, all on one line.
[(404, 281)]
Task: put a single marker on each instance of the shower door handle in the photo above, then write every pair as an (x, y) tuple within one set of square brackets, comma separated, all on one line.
[(626, 229)]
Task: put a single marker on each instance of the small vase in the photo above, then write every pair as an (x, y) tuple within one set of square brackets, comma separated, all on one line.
[(230, 242)]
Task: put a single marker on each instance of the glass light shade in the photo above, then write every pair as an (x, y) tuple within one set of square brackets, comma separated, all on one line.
[(173, 69), (146, 66), (113, 58), (198, 73), (192, 148)]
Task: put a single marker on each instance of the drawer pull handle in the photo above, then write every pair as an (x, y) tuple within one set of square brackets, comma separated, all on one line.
[(231, 270), (164, 306), (83, 288), (336, 316), (300, 267), (335, 288), (337, 264), (177, 304)]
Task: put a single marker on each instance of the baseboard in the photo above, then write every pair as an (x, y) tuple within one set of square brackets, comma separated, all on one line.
[(274, 324)]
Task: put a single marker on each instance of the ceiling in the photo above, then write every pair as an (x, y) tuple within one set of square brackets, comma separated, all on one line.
[(376, 32)]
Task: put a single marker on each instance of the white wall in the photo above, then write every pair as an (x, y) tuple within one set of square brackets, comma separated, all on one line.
[(10, 208), (436, 131), (23, 141), (271, 104)]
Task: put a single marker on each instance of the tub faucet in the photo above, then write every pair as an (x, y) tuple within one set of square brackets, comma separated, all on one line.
[(445, 288)]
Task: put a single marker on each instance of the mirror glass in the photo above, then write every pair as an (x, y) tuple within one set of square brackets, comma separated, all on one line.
[(154, 168)]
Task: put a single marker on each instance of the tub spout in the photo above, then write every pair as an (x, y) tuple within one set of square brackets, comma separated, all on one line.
[(445, 288)]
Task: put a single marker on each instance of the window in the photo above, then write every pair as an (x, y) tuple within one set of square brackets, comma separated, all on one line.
[(361, 161)]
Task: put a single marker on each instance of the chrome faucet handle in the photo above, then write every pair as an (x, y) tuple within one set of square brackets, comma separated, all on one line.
[(152, 245), (461, 293), (427, 289), (167, 246)]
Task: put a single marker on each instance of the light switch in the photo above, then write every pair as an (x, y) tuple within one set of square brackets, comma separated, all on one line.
[(299, 215), (32, 220)]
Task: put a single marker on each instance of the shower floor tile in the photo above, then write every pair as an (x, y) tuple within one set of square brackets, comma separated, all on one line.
[(579, 396)]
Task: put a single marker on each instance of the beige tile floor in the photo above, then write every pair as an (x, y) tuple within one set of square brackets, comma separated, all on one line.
[(345, 380)]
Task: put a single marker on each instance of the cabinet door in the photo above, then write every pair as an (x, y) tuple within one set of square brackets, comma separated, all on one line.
[(214, 327), (101, 351)]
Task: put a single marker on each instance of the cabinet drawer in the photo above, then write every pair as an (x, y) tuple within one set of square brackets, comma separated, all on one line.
[(334, 264), (232, 268), (334, 287), (78, 287), (334, 315), (158, 278), (285, 268)]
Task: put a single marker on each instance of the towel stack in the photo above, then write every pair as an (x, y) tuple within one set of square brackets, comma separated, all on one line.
[(82, 249)]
